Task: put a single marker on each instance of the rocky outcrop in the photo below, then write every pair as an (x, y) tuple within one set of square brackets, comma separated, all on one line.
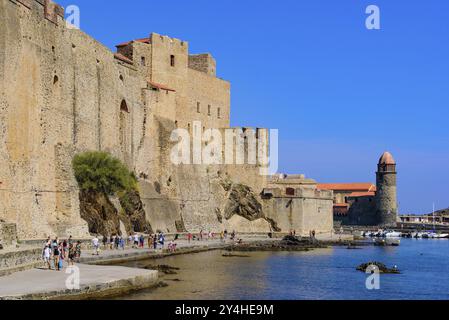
[(104, 218), (380, 266), (134, 213), (244, 202)]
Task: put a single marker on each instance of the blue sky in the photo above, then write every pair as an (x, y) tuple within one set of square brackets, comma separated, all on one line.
[(339, 94)]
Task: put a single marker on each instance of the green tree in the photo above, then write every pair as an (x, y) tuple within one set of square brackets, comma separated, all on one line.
[(101, 172)]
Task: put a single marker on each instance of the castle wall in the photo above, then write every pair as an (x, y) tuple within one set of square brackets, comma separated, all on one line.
[(62, 92), (204, 63), (63, 96), (308, 209)]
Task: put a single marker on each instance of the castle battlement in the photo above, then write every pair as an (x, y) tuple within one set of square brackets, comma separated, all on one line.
[(51, 11)]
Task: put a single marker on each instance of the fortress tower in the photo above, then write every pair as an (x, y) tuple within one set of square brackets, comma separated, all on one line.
[(386, 198)]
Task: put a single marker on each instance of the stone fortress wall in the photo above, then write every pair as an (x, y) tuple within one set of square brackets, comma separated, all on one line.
[(62, 92)]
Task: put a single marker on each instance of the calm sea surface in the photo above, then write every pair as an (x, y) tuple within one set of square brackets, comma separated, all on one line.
[(319, 274)]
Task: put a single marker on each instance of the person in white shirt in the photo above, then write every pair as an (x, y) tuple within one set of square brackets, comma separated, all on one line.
[(136, 241), (96, 245), (46, 256)]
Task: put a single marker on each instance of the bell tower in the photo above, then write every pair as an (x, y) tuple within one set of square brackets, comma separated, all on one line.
[(386, 195)]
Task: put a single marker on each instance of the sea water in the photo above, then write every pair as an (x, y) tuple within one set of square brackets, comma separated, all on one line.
[(319, 274)]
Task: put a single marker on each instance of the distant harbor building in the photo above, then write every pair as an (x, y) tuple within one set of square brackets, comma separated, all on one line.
[(366, 203)]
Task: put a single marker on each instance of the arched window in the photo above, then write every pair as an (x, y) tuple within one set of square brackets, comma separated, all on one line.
[(124, 106)]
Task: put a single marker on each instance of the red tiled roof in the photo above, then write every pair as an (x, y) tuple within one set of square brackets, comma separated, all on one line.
[(160, 86), (143, 40), (362, 194), (121, 57), (355, 187)]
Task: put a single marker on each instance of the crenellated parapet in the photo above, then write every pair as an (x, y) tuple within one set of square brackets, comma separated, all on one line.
[(50, 10)]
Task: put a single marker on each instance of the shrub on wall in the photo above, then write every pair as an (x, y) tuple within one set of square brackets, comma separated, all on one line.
[(101, 172)]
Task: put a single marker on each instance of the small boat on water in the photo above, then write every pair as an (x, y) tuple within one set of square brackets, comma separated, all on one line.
[(439, 235), (430, 235), (392, 234)]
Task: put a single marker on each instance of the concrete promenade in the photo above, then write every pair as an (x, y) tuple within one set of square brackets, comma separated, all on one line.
[(94, 282)]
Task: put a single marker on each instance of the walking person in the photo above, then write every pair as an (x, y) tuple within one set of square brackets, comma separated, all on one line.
[(72, 254), (116, 242), (142, 241), (136, 241), (46, 254), (162, 241), (150, 241), (78, 251), (65, 248), (122, 243), (96, 246), (155, 242), (61, 257), (56, 255), (105, 242)]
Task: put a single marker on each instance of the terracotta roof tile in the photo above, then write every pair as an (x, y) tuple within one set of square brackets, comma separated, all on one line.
[(362, 194), (160, 86)]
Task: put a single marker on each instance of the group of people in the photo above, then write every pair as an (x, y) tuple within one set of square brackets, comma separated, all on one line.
[(210, 236), (135, 241), (55, 252)]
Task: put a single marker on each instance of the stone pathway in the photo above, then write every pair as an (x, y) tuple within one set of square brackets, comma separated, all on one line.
[(45, 284)]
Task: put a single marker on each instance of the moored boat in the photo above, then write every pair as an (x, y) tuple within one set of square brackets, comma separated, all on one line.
[(392, 234)]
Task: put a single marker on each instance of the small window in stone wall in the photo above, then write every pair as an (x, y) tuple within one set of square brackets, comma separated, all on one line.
[(290, 191), (219, 113), (142, 61), (198, 107), (172, 60), (208, 110)]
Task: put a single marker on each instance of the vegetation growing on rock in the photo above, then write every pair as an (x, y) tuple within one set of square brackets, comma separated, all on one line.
[(101, 172), (101, 176)]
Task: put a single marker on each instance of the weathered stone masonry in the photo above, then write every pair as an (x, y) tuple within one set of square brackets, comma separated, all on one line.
[(62, 92)]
